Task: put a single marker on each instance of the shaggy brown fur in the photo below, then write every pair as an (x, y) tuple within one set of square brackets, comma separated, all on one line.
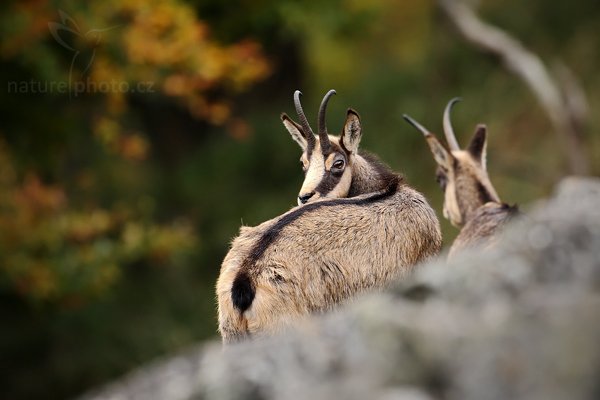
[(470, 201), (315, 256)]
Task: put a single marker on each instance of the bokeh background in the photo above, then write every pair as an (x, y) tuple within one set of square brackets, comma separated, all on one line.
[(117, 206)]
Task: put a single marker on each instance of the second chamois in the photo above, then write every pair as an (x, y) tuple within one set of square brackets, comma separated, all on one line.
[(470, 201)]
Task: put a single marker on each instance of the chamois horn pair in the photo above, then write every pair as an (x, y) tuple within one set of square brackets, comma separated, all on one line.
[(321, 125), (448, 130)]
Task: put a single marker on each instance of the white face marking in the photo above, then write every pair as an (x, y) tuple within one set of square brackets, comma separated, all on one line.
[(343, 186), (314, 175), (451, 210), (473, 170), (316, 172)]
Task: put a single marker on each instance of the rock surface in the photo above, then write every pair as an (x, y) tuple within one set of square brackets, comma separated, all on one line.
[(521, 321)]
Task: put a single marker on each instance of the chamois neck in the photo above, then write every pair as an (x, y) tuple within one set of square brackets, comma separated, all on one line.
[(475, 210), (472, 194), (369, 175)]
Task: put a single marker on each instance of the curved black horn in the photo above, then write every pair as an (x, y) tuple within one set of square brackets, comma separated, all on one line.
[(308, 132), (448, 131), (321, 124), (417, 125), (323, 110)]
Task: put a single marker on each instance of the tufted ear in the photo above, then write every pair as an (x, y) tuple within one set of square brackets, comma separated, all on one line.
[(295, 130), (478, 146), (352, 132)]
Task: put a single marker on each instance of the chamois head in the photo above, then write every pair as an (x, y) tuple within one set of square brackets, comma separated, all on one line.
[(462, 174), (327, 160)]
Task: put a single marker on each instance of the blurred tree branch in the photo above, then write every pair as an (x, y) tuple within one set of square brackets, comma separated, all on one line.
[(565, 105)]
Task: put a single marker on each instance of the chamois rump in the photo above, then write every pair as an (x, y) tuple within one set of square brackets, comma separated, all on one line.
[(332, 165), (319, 254), (470, 201)]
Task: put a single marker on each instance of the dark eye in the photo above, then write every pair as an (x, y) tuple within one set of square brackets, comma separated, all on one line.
[(339, 164), (442, 180)]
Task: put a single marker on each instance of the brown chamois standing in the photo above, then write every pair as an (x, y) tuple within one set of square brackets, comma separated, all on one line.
[(319, 254), (332, 165), (470, 201)]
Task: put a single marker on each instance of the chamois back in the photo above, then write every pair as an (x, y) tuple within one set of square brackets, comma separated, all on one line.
[(316, 256)]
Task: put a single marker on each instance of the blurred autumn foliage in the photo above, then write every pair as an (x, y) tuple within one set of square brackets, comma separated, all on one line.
[(137, 135), (79, 221), (52, 250), (55, 254)]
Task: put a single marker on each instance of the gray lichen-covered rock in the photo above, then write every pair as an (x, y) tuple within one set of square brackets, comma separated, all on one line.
[(519, 321)]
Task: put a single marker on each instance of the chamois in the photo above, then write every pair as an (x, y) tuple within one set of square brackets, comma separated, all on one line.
[(319, 254), (332, 165), (470, 201)]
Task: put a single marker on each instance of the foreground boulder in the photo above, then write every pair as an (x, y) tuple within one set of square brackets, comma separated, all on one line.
[(519, 321)]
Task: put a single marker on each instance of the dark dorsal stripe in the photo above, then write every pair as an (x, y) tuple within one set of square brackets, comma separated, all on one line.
[(511, 211), (243, 290)]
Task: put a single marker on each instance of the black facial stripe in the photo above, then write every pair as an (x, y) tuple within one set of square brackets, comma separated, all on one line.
[(273, 233), (441, 178), (328, 183), (332, 177)]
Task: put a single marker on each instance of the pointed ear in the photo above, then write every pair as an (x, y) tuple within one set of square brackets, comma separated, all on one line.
[(441, 155), (295, 130), (478, 145), (352, 132)]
